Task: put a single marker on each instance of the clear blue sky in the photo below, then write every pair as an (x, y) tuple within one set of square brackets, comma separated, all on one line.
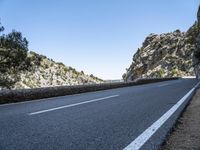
[(96, 36)]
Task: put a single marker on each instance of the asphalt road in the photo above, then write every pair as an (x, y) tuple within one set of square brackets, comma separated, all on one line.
[(103, 120)]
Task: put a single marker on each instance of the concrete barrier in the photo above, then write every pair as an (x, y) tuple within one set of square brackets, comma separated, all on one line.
[(11, 96)]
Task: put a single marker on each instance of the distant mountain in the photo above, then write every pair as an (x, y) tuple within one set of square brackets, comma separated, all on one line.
[(45, 72), (165, 55)]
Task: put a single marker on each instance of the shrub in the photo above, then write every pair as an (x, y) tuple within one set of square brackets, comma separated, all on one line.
[(13, 54), (161, 72)]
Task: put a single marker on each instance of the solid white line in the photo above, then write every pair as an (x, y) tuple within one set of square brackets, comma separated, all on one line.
[(72, 105), (146, 135)]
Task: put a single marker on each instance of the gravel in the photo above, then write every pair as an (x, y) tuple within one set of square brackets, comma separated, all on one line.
[(186, 133)]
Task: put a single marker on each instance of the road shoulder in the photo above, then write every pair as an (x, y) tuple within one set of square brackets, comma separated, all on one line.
[(186, 133)]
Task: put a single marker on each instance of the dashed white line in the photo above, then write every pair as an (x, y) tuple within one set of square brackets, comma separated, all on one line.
[(146, 135), (72, 105), (45, 99), (163, 85)]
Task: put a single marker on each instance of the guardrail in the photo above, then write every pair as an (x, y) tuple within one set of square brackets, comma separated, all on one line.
[(11, 96)]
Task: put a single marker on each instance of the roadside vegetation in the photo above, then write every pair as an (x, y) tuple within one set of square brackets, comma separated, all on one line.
[(13, 57), (21, 68)]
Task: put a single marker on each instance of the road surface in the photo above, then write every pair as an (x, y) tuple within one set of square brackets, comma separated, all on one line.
[(136, 117)]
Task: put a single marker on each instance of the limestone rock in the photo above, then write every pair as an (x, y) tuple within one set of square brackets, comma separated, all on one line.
[(164, 55), (45, 73)]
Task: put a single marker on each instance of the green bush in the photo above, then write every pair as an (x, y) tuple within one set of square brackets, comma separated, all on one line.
[(161, 72), (14, 59)]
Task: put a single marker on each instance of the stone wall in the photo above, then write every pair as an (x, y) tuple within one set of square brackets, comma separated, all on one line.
[(11, 96)]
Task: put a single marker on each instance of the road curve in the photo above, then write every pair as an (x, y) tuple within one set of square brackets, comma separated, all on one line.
[(110, 119)]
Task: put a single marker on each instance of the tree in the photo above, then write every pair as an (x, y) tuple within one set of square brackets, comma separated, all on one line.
[(13, 57), (92, 76)]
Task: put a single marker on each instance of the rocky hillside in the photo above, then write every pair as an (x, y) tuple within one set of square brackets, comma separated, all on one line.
[(44, 72), (164, 55)]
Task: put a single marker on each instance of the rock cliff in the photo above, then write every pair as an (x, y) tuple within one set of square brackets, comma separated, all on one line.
[(165, 55)]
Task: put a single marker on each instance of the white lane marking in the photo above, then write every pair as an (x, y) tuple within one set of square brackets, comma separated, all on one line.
[(146, 135), (45, 99), (72, 105), (163, 85)]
